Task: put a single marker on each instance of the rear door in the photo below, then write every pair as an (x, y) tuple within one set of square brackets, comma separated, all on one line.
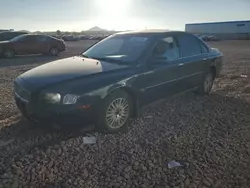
[(25, 45), (192, 60), (42, 44), (162, 74)]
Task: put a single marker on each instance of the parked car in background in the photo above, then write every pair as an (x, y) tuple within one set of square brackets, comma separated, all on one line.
[(206, 37), (8, 35), (203, 37), (57, 37), (70, 38), (111, 80), (31, 44), (212, 38), (83, 37), (97, 37)]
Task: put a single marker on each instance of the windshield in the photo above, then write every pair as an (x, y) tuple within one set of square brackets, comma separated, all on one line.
[(17, 38), (119, 48)]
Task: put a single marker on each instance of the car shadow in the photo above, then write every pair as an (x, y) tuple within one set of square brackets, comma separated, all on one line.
[(217, 119), (23, 130)]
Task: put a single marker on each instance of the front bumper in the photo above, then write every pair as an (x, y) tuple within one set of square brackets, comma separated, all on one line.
[(62, 115)]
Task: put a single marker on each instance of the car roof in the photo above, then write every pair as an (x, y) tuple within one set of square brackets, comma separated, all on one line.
[(13, 32), (35, 35), (155, 32)]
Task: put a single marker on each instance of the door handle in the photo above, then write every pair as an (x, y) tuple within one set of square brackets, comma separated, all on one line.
[(180, 64), (204, 59)]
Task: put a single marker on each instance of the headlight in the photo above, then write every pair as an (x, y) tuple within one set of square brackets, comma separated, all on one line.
[(70, 99), (52, 98)]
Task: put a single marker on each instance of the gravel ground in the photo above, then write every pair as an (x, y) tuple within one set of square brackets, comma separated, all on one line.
[(208, 135)]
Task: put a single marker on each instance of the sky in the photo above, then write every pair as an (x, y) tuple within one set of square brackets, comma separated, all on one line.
[(78, 15)]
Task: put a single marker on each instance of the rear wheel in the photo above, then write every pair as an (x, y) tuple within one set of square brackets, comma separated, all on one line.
[(9, 53), (115, 112), (54, 51), (206, 84)]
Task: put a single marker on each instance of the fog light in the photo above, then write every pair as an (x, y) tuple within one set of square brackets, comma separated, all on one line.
[(69, 99)]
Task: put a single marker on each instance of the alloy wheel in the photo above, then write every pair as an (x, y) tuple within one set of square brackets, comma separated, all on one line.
[(117, 113)]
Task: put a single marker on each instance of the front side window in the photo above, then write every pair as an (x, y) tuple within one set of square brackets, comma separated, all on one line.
[(189, 45), (120, 48), (167, 48)]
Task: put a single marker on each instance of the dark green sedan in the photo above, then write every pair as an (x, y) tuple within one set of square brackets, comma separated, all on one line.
[(111, 80)]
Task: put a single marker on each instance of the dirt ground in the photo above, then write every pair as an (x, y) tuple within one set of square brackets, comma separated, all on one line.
[(208, 135)]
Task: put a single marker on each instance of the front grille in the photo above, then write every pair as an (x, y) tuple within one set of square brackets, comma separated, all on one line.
[(21, 93)]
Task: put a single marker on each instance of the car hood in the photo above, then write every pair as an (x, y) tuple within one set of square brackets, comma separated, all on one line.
[(66, 69)]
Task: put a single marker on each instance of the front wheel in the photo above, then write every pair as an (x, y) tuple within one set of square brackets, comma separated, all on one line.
[(206, 84), (115, 112)]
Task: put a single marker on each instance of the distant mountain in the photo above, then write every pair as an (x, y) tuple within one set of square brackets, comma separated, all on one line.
[(24, 31), (96, 29)]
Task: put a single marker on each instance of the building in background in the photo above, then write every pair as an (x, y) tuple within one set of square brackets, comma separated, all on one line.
[(223, 30)]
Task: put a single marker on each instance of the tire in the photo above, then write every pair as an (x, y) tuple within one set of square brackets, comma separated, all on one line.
[(119, 104), (206, 84), (9, 53), (53, 51)]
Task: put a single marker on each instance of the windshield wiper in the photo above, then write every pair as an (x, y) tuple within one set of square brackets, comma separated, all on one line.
[(111, 60), (85, 56)]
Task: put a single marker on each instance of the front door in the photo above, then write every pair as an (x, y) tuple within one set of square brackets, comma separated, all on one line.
[(162, 75), (42, 44)]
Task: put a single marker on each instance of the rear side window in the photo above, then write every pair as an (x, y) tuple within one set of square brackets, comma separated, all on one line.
[(189, 45), (29, 38), (41, 38)]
